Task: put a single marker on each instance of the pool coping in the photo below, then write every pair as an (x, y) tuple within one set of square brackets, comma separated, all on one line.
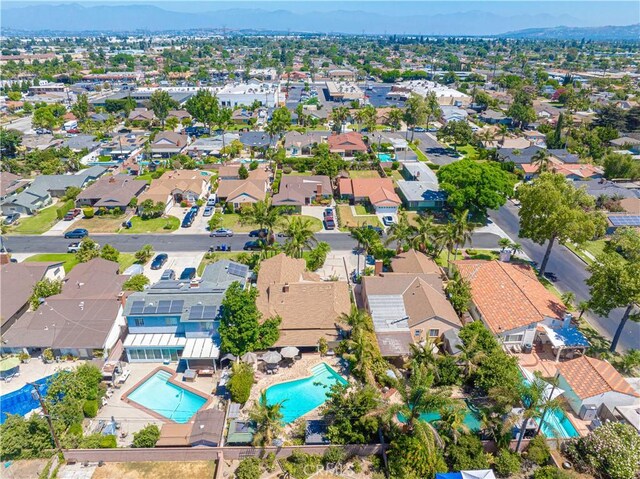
[(307, 377), (172, 380)]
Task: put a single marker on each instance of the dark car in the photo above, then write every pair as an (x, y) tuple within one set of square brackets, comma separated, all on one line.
[(253, 245), (71, 214), (12, 218), (261, 233), (168, 274), (188, 274), (187, 221), (329, 224), (377, 229), (78, 233), (159, 261), (328, 212)]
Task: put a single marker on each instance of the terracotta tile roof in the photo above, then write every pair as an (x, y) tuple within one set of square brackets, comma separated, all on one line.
[(590, 377), (379, 191), (351, 141), (413, 261), (182, 180), (509, 296)]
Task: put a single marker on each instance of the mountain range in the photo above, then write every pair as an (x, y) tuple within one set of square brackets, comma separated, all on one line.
[(361, 18)]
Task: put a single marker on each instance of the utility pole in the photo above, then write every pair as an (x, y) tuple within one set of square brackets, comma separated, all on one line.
[(46, 415)]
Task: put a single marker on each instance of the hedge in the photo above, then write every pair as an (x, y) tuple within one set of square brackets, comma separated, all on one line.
[(64, 209), (90, 408), (240, 383)]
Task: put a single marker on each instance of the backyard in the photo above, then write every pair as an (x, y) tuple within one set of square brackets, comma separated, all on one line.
[(154, 225), (157, 470), (364, 174), (348, 220), (69, 260), (37, 224)]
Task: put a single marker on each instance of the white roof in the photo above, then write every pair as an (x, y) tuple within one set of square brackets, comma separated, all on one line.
[(479, 474), (388, 313), (151, 340), (201, 348)]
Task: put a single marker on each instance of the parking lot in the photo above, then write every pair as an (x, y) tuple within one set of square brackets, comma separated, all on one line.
[(177, 261)]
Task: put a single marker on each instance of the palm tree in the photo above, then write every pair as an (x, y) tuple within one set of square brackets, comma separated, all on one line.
[(568, 298), (400, 232), (462, 229), (394, 118), (426, 234), (451, 423), (223, 120), (424, 355), (548, 402), (299, 236), (470, 355), (262, 215), (503, 129), (534, 399), (361, 351), (516, 248), (583, 307), (267, 420), (504, 243), (542, 159), (339, 116)]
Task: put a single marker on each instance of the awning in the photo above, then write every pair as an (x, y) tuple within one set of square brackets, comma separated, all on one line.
[(154, 340), (566, 337), (201, 348), (550, 391)]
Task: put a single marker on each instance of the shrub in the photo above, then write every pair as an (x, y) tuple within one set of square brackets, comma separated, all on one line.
[(241, 382), (550, 472), (334, 455), (147, 436), (64, 209), (90, 408), (466, 454), (108, 442), (75, 429), (448, 371), (538, 450), (317, 256), (249, 468), (507, 463), (395, 165), (301, 465), (88, 212), (269, 461)]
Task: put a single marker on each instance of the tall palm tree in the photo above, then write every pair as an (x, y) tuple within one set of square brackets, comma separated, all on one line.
[(426, 234), (542, 160), (361, 351), (339, 116), (470, 355), (583, 307), (534, 399), (548, 403), (299, 236), (262, 215), (400, 232), (503, 129), (451, 423), (462, 229), (223, 119), (423, 355), (267, 420)]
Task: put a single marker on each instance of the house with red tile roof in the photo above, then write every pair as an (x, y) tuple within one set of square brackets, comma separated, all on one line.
[(590, 383), (379, 192), (346, 144), (510, 301)]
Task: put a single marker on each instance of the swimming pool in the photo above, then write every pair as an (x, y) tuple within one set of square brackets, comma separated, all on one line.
[(470, 419), (384, 157), (21, 401), (167, 399), (557, 425), (303, 395)]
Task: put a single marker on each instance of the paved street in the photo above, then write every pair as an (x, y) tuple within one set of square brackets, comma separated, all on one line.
[(435, 151), (571, 274), (22, 124)]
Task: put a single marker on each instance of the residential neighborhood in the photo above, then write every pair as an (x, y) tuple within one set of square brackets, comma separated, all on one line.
[(253, 253)]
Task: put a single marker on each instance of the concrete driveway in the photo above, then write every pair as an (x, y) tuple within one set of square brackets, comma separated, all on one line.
[(199, 223), (317, 212), (61, 226), (177, 261)]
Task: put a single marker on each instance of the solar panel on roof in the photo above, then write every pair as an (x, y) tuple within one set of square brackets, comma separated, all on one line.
[(196, 312), (176, 306), (164, 307), (137, 307), (625, 220), (238, 270), (209, 312), (150, 308)]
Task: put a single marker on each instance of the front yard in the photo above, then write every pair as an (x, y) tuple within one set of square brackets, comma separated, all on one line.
[(100, 224), (348, 220), (157, 470), (69, 260), (154, 225), (37, 224), (232, 222), (469, 151), (594, 248)]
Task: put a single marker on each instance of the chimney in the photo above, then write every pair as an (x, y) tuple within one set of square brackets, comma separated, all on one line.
[(566, 321), (121, 298), (377, 268), (285, 288)]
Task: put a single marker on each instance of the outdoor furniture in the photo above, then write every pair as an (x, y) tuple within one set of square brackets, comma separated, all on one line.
[(272, 357), (289, 352), (125, 375), (205, 372), (249, 358), (190, 375), (9, 367)]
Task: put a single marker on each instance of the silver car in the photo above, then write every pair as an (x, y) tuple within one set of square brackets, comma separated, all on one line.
[(221, 233)]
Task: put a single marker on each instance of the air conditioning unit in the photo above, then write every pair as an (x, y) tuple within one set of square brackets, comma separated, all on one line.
[(588, 412)]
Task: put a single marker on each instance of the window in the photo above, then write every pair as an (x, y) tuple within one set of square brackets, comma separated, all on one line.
[(170, 321), (208, 326), (133, 353), (434, 333), (139, 321), (416, 333), (513, 338)]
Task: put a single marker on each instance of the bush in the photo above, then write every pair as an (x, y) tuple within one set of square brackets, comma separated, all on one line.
[(334, 455), (75, 429), (108, 442), (269, 461), (467, 454), (301, 465), (317, 256), (550, 472), (90, 408), (507, 463), (395, 165), (147, 436), (248, 468), (64, 208), (448, 371), (241, 382), (88, 212), (538, 450)]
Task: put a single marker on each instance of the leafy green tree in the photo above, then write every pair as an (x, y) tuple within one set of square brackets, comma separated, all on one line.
[(615, 283), (160, 103), (144, 254), (349, 413), (317, 256), (216, 221), (475, 186), (521, 110), (412, 456), (456, 132), (249, 468), (109, 253), (554, 210), (241, 382), (89, 249), (147, 436), (203, 107), (327, 163), (497, 369), (467, 454), (43, 117), (240, 328), (267, 420), (43, 289), (507, 463), (137, 282), (22, 438), (262, 215), (10, 141), (459, 293), (415, 112), (81, 108), (621, 166)]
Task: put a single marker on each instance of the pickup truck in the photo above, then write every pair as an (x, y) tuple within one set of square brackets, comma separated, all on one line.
[(75, 247)]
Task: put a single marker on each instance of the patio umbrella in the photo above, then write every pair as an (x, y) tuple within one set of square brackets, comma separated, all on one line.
[(9, 366), (289, 352), (229, 357), (272, 357), (249, 358)]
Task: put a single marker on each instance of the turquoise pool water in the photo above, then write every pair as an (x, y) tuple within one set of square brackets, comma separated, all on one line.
[(557, 425), (167, 399), (303, 395), (384, 157), (470, 419)]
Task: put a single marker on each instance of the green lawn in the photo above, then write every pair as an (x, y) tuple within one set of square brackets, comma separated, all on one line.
[(594, 247), (469, 151), (38, 224), (364, 174), (213, 257), (232, 221), (69, 260), (360, 210), (396, 175), (419, 153), (347, 220), (154, 225)]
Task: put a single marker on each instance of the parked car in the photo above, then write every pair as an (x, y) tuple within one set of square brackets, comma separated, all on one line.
[(419, 129), (387, 220), (213, 199), (159, 261), (194, 209), (255, 245), (73, 247), (208, 211), (377, 229), (329, 224), (221, 233), (187, 274), (261, 233), (11, 218), (78, 233), (187, 221), (71, 214), (328, 212), (167, 275)]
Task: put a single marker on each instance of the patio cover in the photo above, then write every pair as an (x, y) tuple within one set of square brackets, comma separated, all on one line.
[(550, 391), (566, 337), (9, 366), (200, 348)]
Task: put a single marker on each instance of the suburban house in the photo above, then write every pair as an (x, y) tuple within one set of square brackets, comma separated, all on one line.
[(257, 140), (141, 114), (577, 172), (298, 191), (122, 146), (83, 321), (408, 306), (205, 429), (309, 307), (44, 187), (18, 280), (10, 184), (302, 144), (111, 192), (494, 117), (378, 192), (211, 146), (168, 143), (173, 320), (176, 186), (420, 190), (590, 383), (232, 172), (453, 113), (179, 114), (241, 192), (347, 144), (517, 308)]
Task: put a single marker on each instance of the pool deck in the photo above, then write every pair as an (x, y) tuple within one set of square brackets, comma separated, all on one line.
[(32, 371)]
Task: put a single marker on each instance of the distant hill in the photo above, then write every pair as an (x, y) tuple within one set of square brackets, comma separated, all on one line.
[(627, 32)]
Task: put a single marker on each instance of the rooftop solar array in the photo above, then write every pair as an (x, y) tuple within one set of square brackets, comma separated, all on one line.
[(625, 220), (161, 307), (202, 313), (239, 270)]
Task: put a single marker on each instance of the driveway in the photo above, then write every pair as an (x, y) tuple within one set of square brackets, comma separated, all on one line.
[(199, 223), (338, 265), (177, 261), (316, 212), (61, 226)]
